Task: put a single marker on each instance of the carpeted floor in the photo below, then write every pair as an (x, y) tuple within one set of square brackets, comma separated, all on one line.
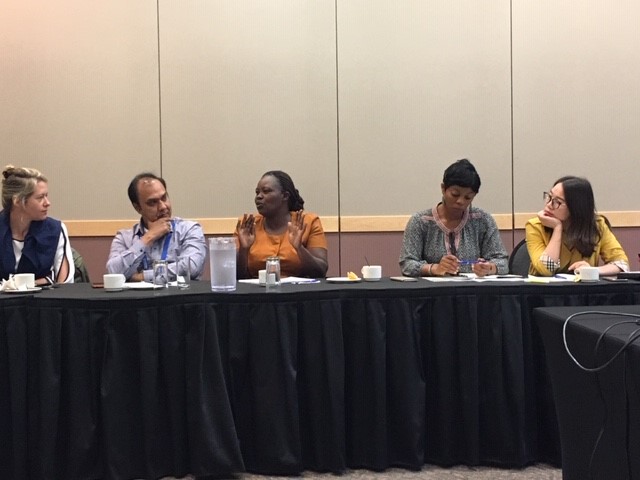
[(428, 472)]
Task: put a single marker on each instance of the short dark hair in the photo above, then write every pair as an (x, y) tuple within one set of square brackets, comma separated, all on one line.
[(463, 174), (286, 184), (132, 191)]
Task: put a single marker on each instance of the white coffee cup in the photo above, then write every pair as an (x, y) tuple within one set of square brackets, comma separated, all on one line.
[(589, 274), (262, 277), (24, 281), (113, 281), (371, 273)]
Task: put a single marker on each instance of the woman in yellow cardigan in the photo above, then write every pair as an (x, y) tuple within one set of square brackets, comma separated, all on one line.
[(568, 234)]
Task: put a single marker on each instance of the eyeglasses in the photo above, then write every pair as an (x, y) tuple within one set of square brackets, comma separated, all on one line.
[(554, 201)]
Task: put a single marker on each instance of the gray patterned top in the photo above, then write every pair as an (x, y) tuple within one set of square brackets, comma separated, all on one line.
[(427, 240)]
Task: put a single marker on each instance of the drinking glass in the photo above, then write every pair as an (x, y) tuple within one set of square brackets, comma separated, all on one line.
[(183, 272), (272, 268), (161, 273)]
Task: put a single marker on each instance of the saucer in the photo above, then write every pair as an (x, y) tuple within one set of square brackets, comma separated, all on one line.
[(28, 290), (343, 280)]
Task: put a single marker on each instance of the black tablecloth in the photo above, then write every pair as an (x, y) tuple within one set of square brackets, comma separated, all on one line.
[(140, 384), (591, 404)]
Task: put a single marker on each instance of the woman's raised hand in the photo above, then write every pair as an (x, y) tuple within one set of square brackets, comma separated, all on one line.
[(246, 231), (296, 228)]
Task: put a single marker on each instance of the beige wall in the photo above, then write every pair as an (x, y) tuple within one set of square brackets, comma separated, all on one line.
[(79, 98), (576, 72), (363, 102)]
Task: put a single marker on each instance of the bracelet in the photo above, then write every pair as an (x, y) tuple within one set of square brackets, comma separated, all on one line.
[(430, 267)]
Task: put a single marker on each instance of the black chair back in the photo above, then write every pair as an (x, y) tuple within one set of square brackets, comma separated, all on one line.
[(519, 261)]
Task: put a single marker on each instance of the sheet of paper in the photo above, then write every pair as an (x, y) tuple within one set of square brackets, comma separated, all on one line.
[(560, 277), (500, 278), (283, 280), (448, 278)]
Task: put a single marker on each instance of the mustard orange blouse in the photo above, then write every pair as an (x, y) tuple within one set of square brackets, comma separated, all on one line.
[(608, 249), (267, 245)]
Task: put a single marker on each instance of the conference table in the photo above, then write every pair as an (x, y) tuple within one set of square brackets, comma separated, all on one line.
[(598, 412), (323, 377)]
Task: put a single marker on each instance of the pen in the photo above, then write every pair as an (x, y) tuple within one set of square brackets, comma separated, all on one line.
[(468, 262)]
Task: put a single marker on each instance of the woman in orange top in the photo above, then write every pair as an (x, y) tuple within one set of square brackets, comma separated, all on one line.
[(281, 229)]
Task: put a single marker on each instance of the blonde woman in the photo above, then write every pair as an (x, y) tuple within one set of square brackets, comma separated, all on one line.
[(31, 241)]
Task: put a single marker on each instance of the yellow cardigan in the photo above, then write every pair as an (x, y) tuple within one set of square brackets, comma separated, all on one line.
[(608, 249)]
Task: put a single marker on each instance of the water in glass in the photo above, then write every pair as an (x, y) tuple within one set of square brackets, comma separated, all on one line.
[(222, 260), (272, 268)]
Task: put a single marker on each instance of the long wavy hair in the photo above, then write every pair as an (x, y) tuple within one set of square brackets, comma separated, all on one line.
[(581, 230)]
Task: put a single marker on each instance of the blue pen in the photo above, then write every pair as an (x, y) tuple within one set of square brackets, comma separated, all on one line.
[(468, 262)]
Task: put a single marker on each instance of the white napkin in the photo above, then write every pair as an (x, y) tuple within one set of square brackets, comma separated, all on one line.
[(10, 284)]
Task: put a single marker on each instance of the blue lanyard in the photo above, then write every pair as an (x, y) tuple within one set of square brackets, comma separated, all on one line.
[(165, 248), (167, 241)]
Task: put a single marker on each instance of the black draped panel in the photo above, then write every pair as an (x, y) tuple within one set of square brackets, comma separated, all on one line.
[(406, 385), (126, 388), (364, 326), (384, 381), (65, 352), (263, 363), (145, 384), (321, 380), (165, 410), (452, 386), (13, 388)]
